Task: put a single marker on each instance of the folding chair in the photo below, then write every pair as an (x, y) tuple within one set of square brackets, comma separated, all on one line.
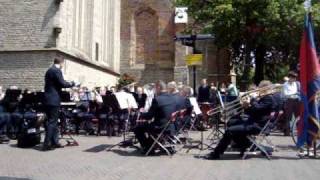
[(183, 122), (180, 123), (193, 121), (257, 140), (271, 127), (162, 137)]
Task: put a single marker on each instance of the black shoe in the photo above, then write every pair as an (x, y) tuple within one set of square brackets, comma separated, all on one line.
[(145, 150), (268, 153), (47, 148), (58, 146), (4, 139), (3, 142), (90, 133), (172, 150), (212, 156)]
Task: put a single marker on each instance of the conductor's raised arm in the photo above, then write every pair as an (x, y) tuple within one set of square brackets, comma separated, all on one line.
[(61, 82)]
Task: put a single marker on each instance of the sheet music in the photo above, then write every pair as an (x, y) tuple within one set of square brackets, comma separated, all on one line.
[(132, 101), (150, 96), (126, 100), (195, 105)]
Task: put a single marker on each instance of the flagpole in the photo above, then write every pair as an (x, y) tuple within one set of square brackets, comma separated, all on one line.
[(307, 6)]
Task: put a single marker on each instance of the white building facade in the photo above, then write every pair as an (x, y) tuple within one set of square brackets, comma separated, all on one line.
[(86, 33)]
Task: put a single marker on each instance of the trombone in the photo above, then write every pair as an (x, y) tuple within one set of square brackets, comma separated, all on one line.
[(235, 107)]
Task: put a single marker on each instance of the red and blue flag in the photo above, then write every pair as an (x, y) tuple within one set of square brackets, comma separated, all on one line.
[(308, 127)]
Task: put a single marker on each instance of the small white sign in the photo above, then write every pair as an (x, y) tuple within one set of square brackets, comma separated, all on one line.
[(181, 15)]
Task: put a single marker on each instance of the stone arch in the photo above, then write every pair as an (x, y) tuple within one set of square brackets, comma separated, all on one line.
[(145, 36)]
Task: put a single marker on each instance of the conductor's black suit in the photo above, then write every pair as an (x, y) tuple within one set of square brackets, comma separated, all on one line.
[(54, 82)]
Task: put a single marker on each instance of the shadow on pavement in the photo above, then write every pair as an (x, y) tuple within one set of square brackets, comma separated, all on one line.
[(120, 152), (37, 147), (286, 147), (98, 148), (223, 158), (12, 178)]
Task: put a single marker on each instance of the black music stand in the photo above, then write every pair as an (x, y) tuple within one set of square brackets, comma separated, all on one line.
[(201, 144), (113, 102), (11, 99), (39, 98), (216, 131), (13, 94), (66, 98)]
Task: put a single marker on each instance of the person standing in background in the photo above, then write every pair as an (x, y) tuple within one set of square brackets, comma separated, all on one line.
[(204, 92), (232, 92), (291, 93)]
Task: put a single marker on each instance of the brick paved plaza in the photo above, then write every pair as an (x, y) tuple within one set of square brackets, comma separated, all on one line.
[(91, 161)]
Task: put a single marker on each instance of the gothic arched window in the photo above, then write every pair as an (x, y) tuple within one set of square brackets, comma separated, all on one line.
[(146, 36)]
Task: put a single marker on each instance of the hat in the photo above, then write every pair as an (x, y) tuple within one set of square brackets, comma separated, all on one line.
[(292, 74)]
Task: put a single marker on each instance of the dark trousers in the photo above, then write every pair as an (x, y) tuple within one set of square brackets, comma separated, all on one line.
[(15, 123), (142, 132), (51, 126), (237, 133), (84, 118), (291, 108), (4, 121)]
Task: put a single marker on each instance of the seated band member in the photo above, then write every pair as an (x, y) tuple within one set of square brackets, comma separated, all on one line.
[(258, 111), (140, 97), (182, 102), (163, 105), (4, 121)]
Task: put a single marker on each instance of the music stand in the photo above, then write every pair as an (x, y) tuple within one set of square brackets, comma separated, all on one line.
[(197, 110), (28, 99), (216, 132), (11, 99), (13, 94), (39, 98), (125, 101), (66, 98)]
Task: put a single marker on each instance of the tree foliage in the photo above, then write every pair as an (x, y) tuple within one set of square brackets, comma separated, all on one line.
[(125, 80), (262, 34)]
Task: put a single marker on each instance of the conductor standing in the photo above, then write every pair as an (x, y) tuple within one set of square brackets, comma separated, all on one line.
[(54, 82)]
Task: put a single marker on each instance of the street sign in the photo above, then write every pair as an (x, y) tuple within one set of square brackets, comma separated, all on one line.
[(194, 59), (181, 15)]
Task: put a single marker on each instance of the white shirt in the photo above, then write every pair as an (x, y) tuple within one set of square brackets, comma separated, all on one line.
[(1, 95), (57, 66), (290, 88)]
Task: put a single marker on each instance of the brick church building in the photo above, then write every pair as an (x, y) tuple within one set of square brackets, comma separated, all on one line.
[(149, 52), (99, 39)]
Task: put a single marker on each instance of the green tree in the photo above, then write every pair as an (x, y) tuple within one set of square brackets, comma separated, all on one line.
[(263, 35)]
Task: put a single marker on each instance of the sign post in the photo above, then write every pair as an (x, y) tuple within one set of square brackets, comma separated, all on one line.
[(195, 59)]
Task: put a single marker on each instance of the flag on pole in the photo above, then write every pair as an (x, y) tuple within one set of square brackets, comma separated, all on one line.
[(308, 127)]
